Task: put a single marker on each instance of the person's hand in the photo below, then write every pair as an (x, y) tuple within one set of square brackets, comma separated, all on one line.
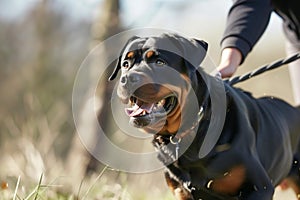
[(230, 60)]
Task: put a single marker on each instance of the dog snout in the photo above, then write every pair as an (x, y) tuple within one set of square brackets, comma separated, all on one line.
[(130, 79)]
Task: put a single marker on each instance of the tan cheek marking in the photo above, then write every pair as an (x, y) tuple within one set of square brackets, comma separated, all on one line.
[(174, 121), (186, 78)]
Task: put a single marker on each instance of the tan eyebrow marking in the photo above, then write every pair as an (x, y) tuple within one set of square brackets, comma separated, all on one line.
[(149, 54), (130, 55)]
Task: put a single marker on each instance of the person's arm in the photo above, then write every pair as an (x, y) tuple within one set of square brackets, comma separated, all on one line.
[(246, 22)]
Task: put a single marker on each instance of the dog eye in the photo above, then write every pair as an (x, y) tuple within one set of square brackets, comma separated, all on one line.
[(160, 62), (125, 64)]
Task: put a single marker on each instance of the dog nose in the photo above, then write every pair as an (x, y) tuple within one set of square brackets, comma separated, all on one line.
[(130, 79), (123, 80)]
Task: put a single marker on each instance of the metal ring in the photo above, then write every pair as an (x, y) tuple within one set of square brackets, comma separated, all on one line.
[(173, 142)]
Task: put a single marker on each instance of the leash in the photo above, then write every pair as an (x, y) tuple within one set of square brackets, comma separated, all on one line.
[(263, 69)]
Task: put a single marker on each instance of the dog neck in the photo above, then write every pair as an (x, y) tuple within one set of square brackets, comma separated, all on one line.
[(168, 144)]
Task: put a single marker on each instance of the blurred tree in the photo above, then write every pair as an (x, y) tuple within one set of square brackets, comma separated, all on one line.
[(106, 24)]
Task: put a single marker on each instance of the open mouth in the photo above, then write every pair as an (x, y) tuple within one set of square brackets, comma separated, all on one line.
[(139, 108)]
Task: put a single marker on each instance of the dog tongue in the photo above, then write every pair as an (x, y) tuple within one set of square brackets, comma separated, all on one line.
[(137, 110)]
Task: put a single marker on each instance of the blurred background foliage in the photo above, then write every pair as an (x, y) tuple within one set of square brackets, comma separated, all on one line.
[(40, 51), (42, 44)]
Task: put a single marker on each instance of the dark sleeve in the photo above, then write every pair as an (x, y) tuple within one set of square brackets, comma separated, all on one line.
[(246, 22)]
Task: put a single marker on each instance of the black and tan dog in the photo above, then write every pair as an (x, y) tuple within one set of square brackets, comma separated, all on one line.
[(258, 142)]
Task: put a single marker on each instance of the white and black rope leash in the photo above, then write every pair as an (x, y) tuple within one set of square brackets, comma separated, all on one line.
[(263, 69)]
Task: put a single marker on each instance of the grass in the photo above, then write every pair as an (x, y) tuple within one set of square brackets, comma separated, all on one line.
[(22, 191), (33, 166), (100, 187)]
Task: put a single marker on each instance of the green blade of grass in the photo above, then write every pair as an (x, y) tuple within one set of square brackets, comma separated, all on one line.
[(32, 193), (17, 187), (36, 190), (98, 177), (38, 187), (79, 189)]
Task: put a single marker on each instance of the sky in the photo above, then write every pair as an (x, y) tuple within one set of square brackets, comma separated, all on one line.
[(144, 13), (193, 18), (15, 9)]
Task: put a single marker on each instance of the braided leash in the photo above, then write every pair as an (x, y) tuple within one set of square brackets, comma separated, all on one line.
[(263, 69)]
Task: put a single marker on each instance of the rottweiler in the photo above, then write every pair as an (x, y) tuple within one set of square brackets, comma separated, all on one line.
[(258, 142)]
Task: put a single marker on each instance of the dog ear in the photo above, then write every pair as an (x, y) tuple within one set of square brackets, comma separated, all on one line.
[(192, 50), (118, 66), (202, 43), (197, 52)]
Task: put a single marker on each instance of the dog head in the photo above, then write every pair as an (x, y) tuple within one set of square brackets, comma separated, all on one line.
[(157, 74)]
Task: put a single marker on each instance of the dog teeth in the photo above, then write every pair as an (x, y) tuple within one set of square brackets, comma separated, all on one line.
[(144, 113), (136, 109), (161, 103)]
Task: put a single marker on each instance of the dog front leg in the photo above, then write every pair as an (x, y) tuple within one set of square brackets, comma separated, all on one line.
[(177, 188), (259, 181), (260, 194)]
